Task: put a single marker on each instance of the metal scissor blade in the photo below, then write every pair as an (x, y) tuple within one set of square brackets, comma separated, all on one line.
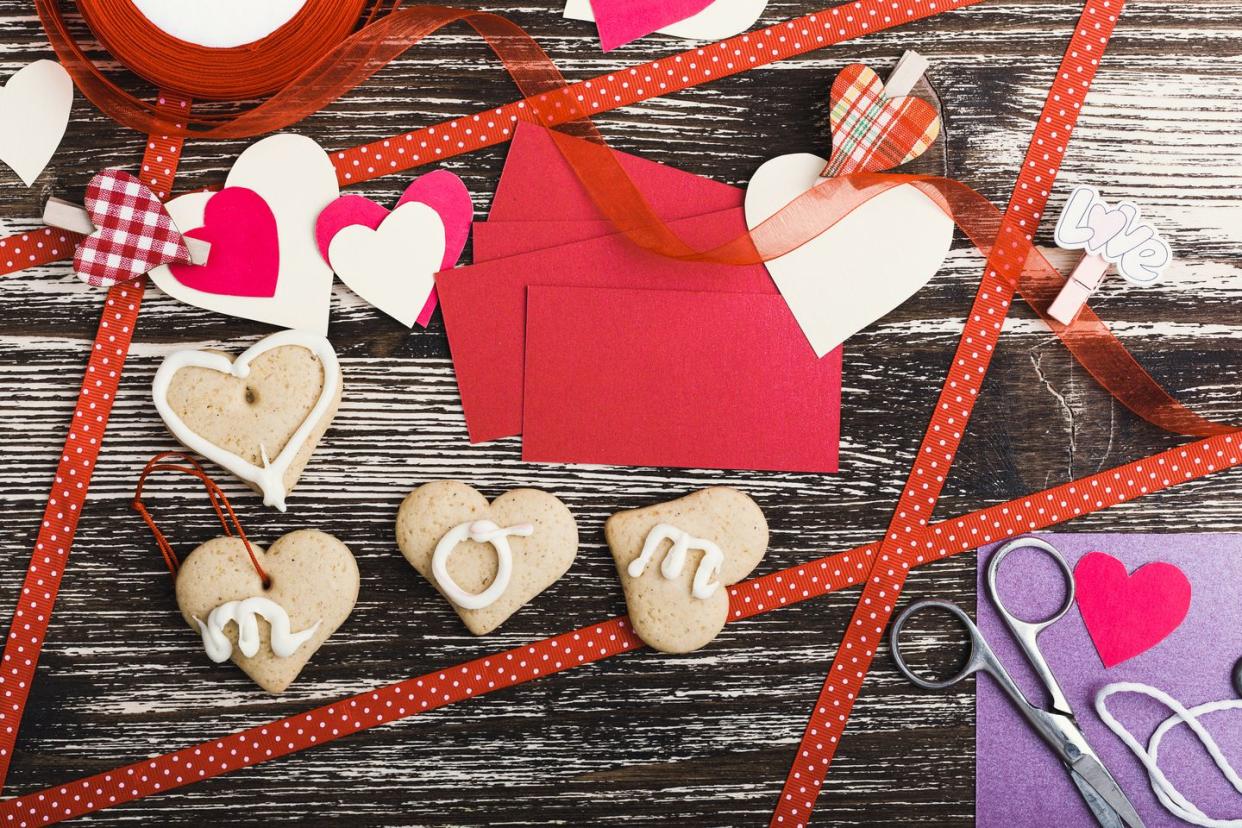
[(1104, 815), (1090, 772)]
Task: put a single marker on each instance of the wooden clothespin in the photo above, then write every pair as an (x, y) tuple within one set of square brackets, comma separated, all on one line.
[(1109, 236), (905, 75), (67, 216)]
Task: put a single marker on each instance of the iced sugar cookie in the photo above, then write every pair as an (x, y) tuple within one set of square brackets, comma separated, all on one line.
[(260, 415), (487, 559), (677, 559), (270, 633)]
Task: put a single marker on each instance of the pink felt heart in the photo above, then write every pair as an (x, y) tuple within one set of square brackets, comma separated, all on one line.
[(1129, 614), (441, 190), (245, 247), (620, 21)]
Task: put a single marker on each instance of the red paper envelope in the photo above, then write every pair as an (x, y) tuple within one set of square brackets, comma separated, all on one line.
[(538, 185), (671, 378), (540, 207)]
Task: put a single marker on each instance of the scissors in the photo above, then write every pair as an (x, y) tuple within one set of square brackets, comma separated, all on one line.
[(1056, 724)]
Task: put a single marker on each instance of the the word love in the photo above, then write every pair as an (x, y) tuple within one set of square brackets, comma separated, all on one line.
[(1116, 234)]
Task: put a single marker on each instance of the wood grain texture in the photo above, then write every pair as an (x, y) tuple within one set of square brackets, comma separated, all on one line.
[(642, 739)]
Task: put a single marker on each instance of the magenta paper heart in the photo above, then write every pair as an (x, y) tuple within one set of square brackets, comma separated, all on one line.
[(621, 21), (133, 234), (245, 247), (441, 190), (1129, 614)]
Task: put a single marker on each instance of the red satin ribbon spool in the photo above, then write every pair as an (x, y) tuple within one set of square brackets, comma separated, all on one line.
[(238, 73)]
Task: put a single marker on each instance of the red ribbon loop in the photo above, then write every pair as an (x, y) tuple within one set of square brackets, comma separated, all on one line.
[(219, 502)]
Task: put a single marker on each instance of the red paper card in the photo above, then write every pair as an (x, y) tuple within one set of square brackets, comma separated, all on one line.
[(673, 378), (484, 307)]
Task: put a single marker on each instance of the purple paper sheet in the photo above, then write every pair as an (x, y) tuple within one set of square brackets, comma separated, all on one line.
[(1020, 784)]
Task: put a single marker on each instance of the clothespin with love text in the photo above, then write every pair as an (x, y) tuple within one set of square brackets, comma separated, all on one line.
[(1109, 236)]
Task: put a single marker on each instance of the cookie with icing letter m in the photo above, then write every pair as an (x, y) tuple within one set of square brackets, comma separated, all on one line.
[(677, 559)]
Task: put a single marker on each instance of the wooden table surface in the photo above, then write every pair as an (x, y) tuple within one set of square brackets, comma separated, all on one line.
[(643, 739)]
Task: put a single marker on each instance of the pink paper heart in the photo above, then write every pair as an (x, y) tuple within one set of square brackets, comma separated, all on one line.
[(245, 247), (621, 21), (440, 190), (1125, 614), (134, 233), (1106, 224)]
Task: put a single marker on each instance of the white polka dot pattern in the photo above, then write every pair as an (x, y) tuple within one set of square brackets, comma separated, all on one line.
[(593, 643), (638, 83), (904, 543), (73, 476)]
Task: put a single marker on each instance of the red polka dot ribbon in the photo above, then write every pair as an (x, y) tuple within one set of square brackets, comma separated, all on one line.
[(73, 478), (905, 539), (392, 703)]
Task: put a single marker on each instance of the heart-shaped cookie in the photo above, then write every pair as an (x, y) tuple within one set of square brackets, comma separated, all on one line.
[(314, 585), (676, 559), (133, 232), (296, 180), (261, 415), (488, 560), (34, 111)]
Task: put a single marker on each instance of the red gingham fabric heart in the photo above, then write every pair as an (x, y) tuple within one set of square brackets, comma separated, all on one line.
[(133, 235), (871, 132)]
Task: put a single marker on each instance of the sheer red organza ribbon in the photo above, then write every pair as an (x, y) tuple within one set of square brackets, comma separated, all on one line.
[(388, 35)]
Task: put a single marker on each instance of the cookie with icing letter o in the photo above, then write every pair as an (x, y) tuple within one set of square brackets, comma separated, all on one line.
[(487, 559), (676, 561), (269, 631), (259, 415)]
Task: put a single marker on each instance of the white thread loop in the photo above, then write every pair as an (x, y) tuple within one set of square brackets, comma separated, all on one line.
[(479, 531), (1169, 796)]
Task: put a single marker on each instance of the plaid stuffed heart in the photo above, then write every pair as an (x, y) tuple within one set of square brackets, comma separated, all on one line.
[(133, 234), (871, 132)]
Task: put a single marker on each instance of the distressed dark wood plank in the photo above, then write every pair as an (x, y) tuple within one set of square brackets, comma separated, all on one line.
[(641, 739)]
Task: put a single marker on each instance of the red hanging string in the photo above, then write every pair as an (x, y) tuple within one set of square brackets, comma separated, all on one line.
[(219, 502)]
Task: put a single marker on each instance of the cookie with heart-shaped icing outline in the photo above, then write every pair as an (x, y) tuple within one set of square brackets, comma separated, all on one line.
[(530, 527), (260, 415), (314, 586), (670, 555)]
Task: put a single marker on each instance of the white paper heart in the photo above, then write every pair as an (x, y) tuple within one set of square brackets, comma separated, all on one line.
[(721, 19), (863, 267), (219, 24), (392, 267), (270, 478), (294, 176), (34, 111)]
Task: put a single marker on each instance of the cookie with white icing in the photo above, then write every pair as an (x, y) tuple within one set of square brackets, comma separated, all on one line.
[(272, 632), (260, 415), (488, 559), (677, 559)]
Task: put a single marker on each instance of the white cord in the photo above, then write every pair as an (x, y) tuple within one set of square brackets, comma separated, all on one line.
[(1169, 796)]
